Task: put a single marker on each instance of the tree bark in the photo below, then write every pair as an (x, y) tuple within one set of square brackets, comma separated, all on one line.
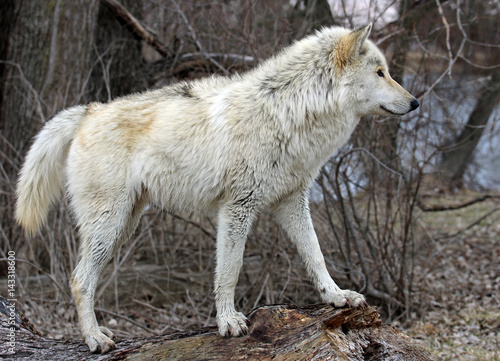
[(457, 158), (136, 27), (40, 76), (120, 68), (52, 57), (7, 21), (278, 332), (310, 15)]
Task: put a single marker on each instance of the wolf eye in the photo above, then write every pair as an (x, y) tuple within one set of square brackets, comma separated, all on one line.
[(380, 73)]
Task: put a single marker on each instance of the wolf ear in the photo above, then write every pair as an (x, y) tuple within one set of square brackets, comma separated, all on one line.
[(361, 34), (350, 45)]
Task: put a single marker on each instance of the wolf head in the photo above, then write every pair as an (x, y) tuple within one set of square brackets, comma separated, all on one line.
[(362, 68)]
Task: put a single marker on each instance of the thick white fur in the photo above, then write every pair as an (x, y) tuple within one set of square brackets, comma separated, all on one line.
[(234, 145)]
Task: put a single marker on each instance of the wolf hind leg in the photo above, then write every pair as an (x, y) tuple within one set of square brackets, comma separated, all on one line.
[(293, 215), (101, 236), (95, 252)]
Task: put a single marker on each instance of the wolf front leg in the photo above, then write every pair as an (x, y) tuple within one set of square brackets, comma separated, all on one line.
[(234, 224), (293, 215)]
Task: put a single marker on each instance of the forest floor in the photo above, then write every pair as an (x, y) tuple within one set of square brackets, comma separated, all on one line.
[(458, 316), (462, 316)]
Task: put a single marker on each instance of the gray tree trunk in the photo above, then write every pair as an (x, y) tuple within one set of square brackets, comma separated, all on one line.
[(119, 66), (311, 15), (457, 158), (40, 76), (52, 57)]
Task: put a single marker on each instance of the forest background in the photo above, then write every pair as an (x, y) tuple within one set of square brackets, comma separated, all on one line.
[(406, 212)]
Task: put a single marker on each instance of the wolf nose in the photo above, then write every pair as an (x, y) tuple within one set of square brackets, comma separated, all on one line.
[(414, 104)]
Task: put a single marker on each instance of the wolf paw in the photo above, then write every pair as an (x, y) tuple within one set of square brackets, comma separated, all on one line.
[(234, 324), (100, 342), (348, 298)]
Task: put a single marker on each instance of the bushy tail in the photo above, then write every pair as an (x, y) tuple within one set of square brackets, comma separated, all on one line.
[(42, 176)]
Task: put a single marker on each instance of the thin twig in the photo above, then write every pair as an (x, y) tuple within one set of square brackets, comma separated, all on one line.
[(114, 314), (429, 89), (223, 56), (42, 271), (103, 287), (476, 222), (447, 27), (464, 34), (197, 42), (197, 225), (30, 88)]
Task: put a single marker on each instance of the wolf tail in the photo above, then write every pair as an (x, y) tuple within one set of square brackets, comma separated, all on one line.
[(41, 179)]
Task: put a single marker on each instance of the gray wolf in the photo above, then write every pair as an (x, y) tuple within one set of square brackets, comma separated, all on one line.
[(231, 144)]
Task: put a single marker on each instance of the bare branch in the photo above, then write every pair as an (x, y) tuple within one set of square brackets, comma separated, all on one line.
[(30, 87), (136, 27), (438, 80), (52, 279), (222, 56), (197, 225), (195, 38), (447, 27), (475, 223), (451, 207), (464, 34)]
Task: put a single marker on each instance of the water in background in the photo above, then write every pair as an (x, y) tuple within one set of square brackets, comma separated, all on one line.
[(444, 114)]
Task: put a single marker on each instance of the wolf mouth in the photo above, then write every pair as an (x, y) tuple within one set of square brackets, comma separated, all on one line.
[(390, 111)]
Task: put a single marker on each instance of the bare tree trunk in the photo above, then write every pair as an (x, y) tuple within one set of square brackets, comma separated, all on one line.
[(69, 53), (117, 52), (456, 159), (7, 23), (40, 77), (311, 14)]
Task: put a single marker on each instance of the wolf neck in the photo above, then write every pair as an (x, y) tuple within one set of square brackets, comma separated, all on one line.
[(300, 90), (303, 102)]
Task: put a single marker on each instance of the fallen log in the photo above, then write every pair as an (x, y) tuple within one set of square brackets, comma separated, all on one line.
[(279, 332)]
